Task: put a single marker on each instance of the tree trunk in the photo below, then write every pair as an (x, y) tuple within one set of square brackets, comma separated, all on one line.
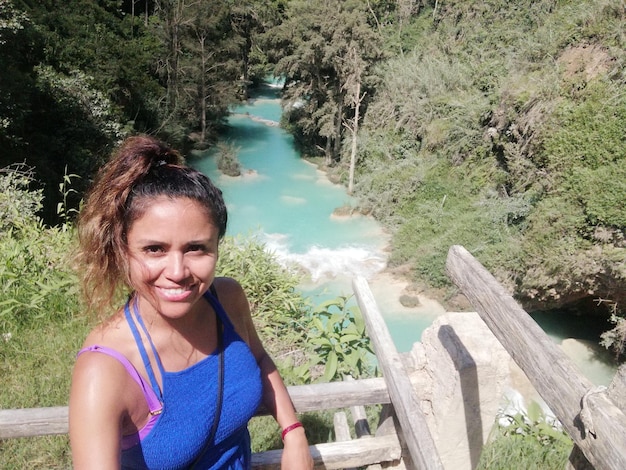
[(355, 129), (338, 124), (328, 151), (203, 90)]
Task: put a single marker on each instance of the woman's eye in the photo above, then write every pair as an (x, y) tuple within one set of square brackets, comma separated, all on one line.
[(194, 248), (152, 249)]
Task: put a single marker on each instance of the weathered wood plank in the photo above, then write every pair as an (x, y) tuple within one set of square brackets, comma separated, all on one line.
[(338, 455), (332, 395), (340, 424), (617, 393), (359, 416), (617, 388), (550, 371), (30, 422), (416, 433)]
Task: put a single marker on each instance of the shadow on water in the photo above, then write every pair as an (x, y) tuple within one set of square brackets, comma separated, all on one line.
[(246, 133), (579, 335), (266, 91)]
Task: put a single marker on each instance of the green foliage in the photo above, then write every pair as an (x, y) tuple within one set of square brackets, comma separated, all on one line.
[(336, 333), (537, 425), (615, 338), (499, 126), (78, 76), (65, 212), (36, 281), (526, 440), (599, 189), (227, 161), (39, 326), (324, 49), (19, 204), (587, 130)]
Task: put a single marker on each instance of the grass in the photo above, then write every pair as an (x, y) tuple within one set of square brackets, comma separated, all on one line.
[(504, 452)]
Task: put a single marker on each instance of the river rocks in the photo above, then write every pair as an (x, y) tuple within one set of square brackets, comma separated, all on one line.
[(410, 301)]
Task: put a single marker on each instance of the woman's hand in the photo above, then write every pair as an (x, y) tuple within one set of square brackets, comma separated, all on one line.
[(296, 453)]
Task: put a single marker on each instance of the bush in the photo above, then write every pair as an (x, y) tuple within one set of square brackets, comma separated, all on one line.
[(227, 161), (526, 440)]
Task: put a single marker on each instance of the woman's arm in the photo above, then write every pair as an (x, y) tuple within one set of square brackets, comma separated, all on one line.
[(95, 412), (296, 454)]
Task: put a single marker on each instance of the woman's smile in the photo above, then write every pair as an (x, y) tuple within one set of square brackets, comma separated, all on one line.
[(175, 293)]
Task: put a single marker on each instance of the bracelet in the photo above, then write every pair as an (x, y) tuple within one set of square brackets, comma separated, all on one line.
[(295, 425)]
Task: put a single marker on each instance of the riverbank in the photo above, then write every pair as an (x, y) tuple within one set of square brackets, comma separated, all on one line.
[(396, 290)]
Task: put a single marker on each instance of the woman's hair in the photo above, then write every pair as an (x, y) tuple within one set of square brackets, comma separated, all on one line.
[(141, 169)]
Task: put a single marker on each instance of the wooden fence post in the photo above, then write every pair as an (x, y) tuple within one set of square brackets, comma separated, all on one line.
[(617, 393), (550, 371), (403, 397)]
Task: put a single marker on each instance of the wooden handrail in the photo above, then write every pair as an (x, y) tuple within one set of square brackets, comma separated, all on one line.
[(403, 397), (31, 422), (336, 455), (550, 371)]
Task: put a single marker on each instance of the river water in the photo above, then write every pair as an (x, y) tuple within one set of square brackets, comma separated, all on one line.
[(288, 204)]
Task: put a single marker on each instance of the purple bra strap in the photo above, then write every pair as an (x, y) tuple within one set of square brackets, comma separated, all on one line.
[(152, 400)]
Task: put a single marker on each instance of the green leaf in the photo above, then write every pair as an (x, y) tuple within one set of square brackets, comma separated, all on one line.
[(331, 367)]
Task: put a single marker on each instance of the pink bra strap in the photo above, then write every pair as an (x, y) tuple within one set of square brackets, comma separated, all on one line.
[(155, 406), (151, 399)]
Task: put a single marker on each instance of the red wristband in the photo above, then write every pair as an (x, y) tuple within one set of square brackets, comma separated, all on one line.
[(295, 425)]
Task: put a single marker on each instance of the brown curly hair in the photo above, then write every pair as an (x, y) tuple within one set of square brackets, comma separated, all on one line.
[(140, 170)]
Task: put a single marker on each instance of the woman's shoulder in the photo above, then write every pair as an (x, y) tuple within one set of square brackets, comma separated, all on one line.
[(228, 286), (106, 372), (112, 333), (233, 298)]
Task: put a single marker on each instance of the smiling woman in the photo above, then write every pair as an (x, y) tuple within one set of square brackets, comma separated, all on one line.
[(172, 257), (171, 379)]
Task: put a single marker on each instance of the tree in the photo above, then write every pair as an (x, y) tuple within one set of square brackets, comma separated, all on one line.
[(353, 86), (209, 65), (250, 23), (324, 49), (73, 81), (16, 35)]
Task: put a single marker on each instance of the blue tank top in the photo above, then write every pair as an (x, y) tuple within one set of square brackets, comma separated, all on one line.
[(189, 403)]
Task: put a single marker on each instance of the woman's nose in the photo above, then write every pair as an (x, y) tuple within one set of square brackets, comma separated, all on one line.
[(176, 268)]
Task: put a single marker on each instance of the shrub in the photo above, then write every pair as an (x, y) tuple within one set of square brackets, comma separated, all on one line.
[(528, 439), (227, 161)]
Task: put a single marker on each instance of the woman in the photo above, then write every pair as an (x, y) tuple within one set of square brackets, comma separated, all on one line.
[(171, 379)]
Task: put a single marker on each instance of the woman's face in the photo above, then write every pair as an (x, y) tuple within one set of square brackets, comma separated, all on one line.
[(172, 255)]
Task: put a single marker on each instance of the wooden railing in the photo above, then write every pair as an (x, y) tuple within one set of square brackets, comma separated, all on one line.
[(593, 417), (375, 449)]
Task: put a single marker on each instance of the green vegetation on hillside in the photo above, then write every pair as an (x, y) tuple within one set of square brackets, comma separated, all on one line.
[(500, 126), (492, 124)]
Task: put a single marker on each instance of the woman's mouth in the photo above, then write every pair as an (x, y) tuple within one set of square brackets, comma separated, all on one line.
[(174, 293)]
